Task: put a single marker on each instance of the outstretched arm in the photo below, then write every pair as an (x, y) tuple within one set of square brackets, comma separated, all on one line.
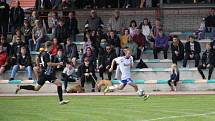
[(112, 64)]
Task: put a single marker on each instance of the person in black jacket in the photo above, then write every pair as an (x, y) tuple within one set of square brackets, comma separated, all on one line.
[(86, 72), (17, 16), (208, 61), (174, 77), (213, 44), (4, 15), (177, 49), (23, 62), (192, 51), (71, 51), (210, 22), (105, 61), (61, 32)]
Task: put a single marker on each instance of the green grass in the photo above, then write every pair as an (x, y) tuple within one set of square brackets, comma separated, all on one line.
[(108, 108)]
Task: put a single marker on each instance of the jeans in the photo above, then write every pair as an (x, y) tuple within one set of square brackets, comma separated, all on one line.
[(37, 46), (213, 32), (15, 69), (196, 58)]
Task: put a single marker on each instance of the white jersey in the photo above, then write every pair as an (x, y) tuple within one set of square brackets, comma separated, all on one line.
[(125, 66)]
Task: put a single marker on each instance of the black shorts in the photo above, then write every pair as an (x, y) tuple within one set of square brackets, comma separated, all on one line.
[(43, 78)]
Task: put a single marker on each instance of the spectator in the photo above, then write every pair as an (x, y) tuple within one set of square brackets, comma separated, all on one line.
[(89, 54), (161, 44), (70, 51), (192, 51), (55, 46), (87, 41), (56, 4), (116, 22), (33, 18), (102, 48), (133, 28), (43, 6), (27, 31), (23, 62), (4, 15), (54, 21), (18, 34), (3, 59), (61, 32), (66, 6), (174, 77), (208, 61), (6, 45), (210, 22), (38, 36), (72, 24), (94, 21), (17, 16), (145, 27), (95, 42), (140, 40), (68, 74), (124, 38), (155, 29), (105, 61), (213, 44), (114, 41), (133, 47), (148, 3), (177, 49), (200, 33), (60, 58), (86, 72)]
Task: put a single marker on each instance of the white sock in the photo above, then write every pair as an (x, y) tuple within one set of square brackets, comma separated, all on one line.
[(113, 87)]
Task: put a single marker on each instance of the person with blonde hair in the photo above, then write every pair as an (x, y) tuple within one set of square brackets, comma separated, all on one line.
[(174, 77)]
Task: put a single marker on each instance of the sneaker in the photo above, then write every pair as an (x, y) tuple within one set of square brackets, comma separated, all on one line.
[(63, 102), (17, 89), (106, 90), (146, 97), (11, 79)]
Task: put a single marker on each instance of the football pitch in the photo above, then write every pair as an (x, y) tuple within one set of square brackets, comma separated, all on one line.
[(108, 108)]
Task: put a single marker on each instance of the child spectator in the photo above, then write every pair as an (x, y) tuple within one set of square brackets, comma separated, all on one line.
[(174, 77)]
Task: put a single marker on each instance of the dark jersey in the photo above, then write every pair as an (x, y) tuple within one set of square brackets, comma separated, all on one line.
[(44, 59)]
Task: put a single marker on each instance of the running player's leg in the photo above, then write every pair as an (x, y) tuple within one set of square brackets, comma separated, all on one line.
[(60, 91)]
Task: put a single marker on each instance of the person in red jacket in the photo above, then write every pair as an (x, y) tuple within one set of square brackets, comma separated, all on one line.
[(3, 59), (140, 40)]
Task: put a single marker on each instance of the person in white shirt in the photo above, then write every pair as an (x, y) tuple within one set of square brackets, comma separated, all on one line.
[(125, 63)]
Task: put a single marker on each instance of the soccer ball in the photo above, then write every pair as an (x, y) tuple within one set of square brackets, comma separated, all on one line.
[(141, 93)]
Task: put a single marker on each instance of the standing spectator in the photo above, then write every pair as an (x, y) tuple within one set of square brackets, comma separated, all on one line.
[(54, 21), (174, 77), (86, 73), (72, 24), (6, 45), (124, 38), (38, 36), (3, 59), (192, 51), (23, 62), (161, 44), (56, 4), (33, 18), (210, 22), (94, 21), (66, 6), (133, 28), (177, 49), (61, 32), (4, 15), (70, 51), (208, 61), (105, 61), (114, 41), (27, 31), (17, 16), (42, 7), (140, 40), (116, 22)]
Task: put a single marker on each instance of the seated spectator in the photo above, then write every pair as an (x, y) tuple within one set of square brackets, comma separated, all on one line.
[(133, 28), (174, 77), (55, 46), (161, 44), (208, 61), (61, 32), (124, 38), (23, 62), (68, 74), (5, 44), (210, 22), (146, 27), (27, 31), (70, 51), (192, 51), (18, 34), (89, 54), (32, 19), (105, 61), (140, 40), (3, 59), (114, 41), (60, 58), (177, 49), (38, 36), (86, 73), (155, 29), (66, 6), (200, 33), (87, 41), (133, 47), (54, 21)]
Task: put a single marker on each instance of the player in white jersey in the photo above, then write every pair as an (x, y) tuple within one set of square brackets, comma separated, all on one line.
[(125, 63)]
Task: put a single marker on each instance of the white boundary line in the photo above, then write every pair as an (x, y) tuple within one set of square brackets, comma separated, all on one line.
[(173, 117)]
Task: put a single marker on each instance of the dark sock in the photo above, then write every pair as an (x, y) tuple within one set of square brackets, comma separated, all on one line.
[(60, 92), (27, 87)]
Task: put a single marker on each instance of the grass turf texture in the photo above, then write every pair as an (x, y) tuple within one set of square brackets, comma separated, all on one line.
[(108, 108)]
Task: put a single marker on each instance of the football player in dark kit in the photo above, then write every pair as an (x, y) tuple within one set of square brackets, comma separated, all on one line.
[(47, 74)]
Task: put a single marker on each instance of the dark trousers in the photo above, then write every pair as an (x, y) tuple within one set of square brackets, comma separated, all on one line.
[(196, 57), (201, 67), (157, 50), (88, 79), (176, 58), (67, 79), (44, 16), (103, 70), (3, 28), (174, 82), (139, 52)]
